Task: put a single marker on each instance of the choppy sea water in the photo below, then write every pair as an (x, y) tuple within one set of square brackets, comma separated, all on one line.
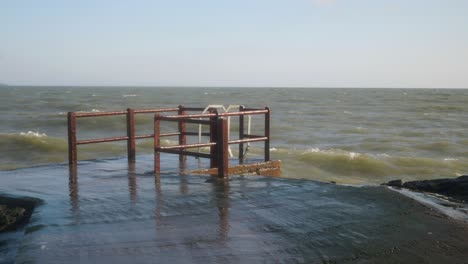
[(353, 136)]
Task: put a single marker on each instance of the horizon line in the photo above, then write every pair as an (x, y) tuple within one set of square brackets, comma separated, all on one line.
[(214, 86)]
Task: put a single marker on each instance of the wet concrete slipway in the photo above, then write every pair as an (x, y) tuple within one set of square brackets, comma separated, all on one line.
[(110, 212)]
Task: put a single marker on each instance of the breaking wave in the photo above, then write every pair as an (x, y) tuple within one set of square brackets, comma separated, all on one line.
[(30, 148), (25, 149), (358, 168)]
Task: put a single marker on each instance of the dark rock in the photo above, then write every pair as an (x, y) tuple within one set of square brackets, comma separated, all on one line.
[(394, 183), (9, 216), (15, 211), (452, 187)]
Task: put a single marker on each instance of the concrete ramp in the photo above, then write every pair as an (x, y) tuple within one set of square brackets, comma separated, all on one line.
[(109, 212)]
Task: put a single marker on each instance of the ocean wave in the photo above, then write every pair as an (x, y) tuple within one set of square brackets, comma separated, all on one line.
[(24, 149), (33, 134), (362, 168)]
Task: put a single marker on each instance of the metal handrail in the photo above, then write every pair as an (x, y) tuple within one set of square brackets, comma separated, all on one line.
[(131, 136), (219, 136), (182, 118)]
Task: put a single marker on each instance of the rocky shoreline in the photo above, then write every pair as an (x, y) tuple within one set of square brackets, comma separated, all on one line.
[(14, 212), (9, 216), (455, 188)]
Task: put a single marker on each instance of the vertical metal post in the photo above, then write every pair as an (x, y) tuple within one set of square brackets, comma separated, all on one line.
[(157, 154), (241, 135), (222, 147), (131, 135), (267, 134), (72, 151), (213, 128), (182, 131)]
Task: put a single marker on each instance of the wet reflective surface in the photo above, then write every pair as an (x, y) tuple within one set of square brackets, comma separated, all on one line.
[(112, 212)]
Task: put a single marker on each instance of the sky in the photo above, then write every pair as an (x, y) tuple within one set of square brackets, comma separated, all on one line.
[(251, 43)]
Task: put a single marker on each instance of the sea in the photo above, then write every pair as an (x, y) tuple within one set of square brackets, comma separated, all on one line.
[(344, 135)]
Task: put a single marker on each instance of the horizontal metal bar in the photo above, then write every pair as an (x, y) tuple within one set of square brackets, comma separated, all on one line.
[(186, 120), (196, 134), (198, 145), (248, 140), (161, 135), (253, 112), (253, 109), (95, 114), (101, 140), (144, 136), (187, 153), (193, 108), (191, 116), (253, 136), (146, 111)]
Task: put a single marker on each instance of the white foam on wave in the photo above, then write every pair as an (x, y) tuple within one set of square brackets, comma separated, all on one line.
[(129, 95), (33, 134), (313, 150), (352, 155), (450, 159), (384, 155)]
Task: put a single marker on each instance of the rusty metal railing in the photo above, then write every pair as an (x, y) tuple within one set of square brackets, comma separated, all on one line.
[(131, 137), (219, 137), (218, 133)]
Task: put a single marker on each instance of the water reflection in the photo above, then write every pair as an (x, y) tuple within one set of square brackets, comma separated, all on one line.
[(132, 182), (221, 192), (73, 191), (183, 177), (168, 193)]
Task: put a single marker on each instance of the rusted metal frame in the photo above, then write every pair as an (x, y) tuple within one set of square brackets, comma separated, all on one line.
[(247, 140), (190, 116), (186, 120), (182, 129), (256, 112), (196, 134), (171, 134), (198, 145), (72, 150), (253, 136), (253, 109), (222, 147), (96, 114), (161, 135), (160, 110), (213, 133), (101, 140), (267, 135), (193, 109), (137, 111), (241, 135), (157, 144), (186, 153), (131, 146)]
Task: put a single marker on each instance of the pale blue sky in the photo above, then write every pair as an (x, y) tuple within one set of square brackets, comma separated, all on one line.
[(287, 43)]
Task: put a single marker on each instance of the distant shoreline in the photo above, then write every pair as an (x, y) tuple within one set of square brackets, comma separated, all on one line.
[(230, 87)]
